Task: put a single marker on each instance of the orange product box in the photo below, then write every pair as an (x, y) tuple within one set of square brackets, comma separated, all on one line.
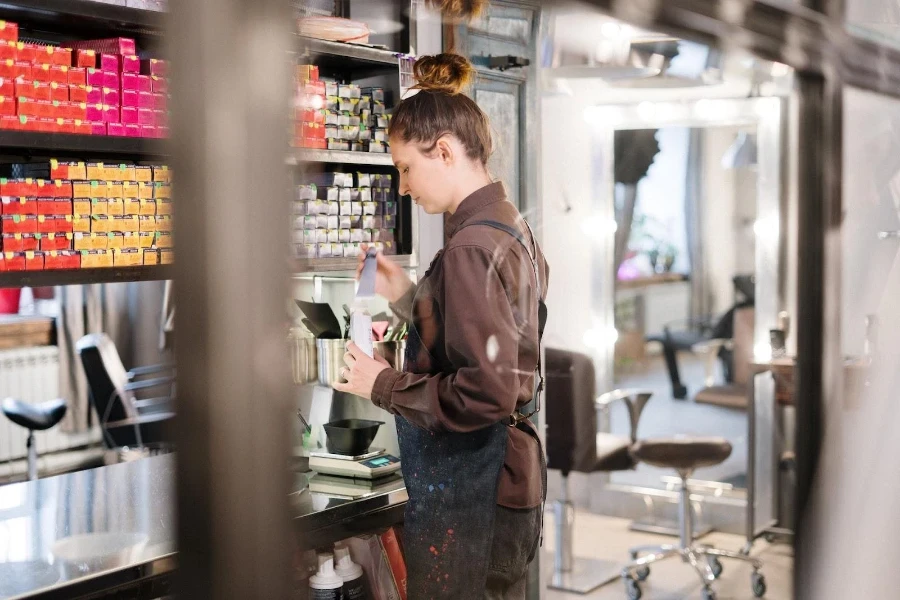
[(67, 170), (96, 170), (65, 126), (148, 208), (55, 241), (130, 188), (91, 241), (126, 223), (59, 74), (85, 58), (162, 173), (60, 188), (54, 224), (132, 206), (62, 57), (20, 242), (18, 224), (8, 50), (81, 206), (32, 90), (147, 239), (115, 240), (132, 239), (26, 107), (81, 223), (83, 189), (145, 190), (164, 239), (27, 52), (77, 76), (164, 207), (42, 73), (9, 32), (114, 189), (14, 261), (164, 223), (143, 173), (18, 205), (99, 206), (62, 259), (128, 257), (147, 224), (101, 224), (7, 88), (78, 93), (162, 190), (76, 111), (121, 173), (59, 92), (96, 259), (115, 207), (82, 127), (34, 261), (151, 256), (166, 257), (8, 108), (54, 206)]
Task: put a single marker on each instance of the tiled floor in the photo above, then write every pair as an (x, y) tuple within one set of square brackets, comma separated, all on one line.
[(609, 539)]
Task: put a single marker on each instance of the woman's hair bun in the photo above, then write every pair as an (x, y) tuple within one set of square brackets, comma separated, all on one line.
[(459, 9), (447, 72)]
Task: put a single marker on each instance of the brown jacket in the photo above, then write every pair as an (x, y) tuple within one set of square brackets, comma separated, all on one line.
[(476, 313)]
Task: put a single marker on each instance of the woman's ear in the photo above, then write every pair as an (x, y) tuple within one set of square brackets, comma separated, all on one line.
[(444, 150)]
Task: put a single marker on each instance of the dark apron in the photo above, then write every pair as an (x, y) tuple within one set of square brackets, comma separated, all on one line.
[(451, 479)]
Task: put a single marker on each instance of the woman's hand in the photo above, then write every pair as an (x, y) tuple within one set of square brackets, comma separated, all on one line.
[(391, 281), (360, 372)]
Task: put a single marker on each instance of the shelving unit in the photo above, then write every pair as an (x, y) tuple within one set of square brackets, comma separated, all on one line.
[(85, 18), (308, 155), (303, 266), (30, 143), (84, 276)]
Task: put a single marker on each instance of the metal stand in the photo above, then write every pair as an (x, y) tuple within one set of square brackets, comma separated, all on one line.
[(32, 456), (571, 574)]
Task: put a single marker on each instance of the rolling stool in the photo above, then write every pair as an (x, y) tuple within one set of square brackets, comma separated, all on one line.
[(573, 444), (34, 417), (685, 455)]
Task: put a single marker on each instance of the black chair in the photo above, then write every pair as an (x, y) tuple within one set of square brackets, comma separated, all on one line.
[(125, 419), (34, 417), (573, 444)]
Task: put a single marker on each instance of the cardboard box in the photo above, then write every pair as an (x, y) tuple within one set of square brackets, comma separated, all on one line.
[(130, 99), (63, 259), (146, 117), (164, 207), (162, 131), (9, 32), (125, 223), (115, 207), (129, 115), (81, 206), (109, 62), (147, 224), (131, 239), (132, 206), (20, 242), (107, 45), (96, 171), (18, 187), (145, 84), (90, 241), (83, 189), (18, 224), (110, 96), (147, 239), (94, 77), (23, 70), (162, 174), (159, 85), (164, 222), (164, 239), (96, 259), (121, 173), (151, 256), (54, 206), (131, 82), (128, 257), (114, 189), (115, 240), (143, 174), (55, 241), (145, 190), (18, 205), (59, 92), (166, 257), (34, 261), (85, 58), (81, 223), (162, 190), (101, 224), (115, 129)]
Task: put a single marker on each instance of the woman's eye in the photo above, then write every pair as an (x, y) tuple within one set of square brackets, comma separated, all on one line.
[(406, 170)]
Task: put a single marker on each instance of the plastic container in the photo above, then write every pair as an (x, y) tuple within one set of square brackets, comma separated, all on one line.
[(326, 584), (355, 584), (9, 300)]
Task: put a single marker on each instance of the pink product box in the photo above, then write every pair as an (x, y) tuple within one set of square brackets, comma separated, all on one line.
[(148, 131), (98, 128), (145, 84), (106, 46), (145, 100), (111, 79), (160, 101), (160, 85), (130, 82), (162, 132), (95, 77), (109, 62), (131, 64), (161, 118), (95, 95), (130, 98), (111, 114), (94, 113), (115, 129), (129, 115), (111, 96), (146, 116), (133, 130)]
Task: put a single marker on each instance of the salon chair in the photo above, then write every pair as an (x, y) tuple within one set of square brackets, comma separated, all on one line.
[(732, 394), (34, 417), (126, 420), (684, 455), (574, 445)]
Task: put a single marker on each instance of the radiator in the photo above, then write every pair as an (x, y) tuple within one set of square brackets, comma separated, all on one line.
[(32, 375)]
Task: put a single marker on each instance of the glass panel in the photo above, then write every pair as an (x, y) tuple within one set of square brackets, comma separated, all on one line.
[(502, 108), (877, 20)]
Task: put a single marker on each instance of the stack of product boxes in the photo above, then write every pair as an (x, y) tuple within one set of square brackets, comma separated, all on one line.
[(93, 87), (334, 213), (339, 116), (85, 215)]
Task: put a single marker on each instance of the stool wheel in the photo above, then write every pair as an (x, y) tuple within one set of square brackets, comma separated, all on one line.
[(758, 582), (716, 566), (709, 593), (642, 574), (633, 589)]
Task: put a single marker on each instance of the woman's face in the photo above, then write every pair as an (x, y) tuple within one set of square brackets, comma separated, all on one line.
[(427, 179)]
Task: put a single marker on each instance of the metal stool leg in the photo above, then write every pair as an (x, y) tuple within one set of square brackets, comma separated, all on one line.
[(572, 574), (32, 456)]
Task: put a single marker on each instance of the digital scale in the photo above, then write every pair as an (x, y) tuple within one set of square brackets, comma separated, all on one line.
[(374, 464)]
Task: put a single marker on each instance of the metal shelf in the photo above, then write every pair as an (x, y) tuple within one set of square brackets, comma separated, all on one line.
[(305, 266), (97, 146), (84, 17), (344, 56), (301, 155), (14, 279)]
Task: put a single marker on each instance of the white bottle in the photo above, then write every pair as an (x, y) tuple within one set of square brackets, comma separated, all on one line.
[(355, 587), (326, 584)]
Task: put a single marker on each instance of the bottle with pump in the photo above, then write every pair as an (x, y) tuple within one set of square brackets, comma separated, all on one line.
[(326, 584), (355, 586)]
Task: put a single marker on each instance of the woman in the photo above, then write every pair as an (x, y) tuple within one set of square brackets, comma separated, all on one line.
[(472, 462)]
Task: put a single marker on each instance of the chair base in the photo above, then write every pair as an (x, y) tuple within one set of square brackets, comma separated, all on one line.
[(667, 527), (585, 576)]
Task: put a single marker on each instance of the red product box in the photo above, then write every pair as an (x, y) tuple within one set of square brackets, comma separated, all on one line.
[(41, 73), (77, 111), (64, 259), (160, 118), (9, 121), (60, 189), (111, 79), (311, 115), (160, 101), (130, 81), (159, 85), (65, 125), (34, 261), (59, 92), (78, 93), (13, 261), (107, 45), (110, 96), (145, 84), (62, 57), (148, 131), (117, 129), (109, 62), (20, 242), (54, 241), (32, 90), (7, 108), (94, 113), (21, 205), (97, 127), (77, 76), (54, 224), (26, 107), (46, 125), (54, 206), (146, 117), (7, 87), (27, 52), (8, 51), (18, 70), (130, 64), (59, 74), (53, 55), (130, 98), (9, 32), (155, 66), (18, 224), (316, 143), (145, 100), (129, 115), (85, 58), (82, 127), (94, 77), (133, 130), (111, 114), (7, 68)]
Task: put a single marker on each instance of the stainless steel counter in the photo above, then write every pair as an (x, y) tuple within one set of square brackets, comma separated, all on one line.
[(113, 527)]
